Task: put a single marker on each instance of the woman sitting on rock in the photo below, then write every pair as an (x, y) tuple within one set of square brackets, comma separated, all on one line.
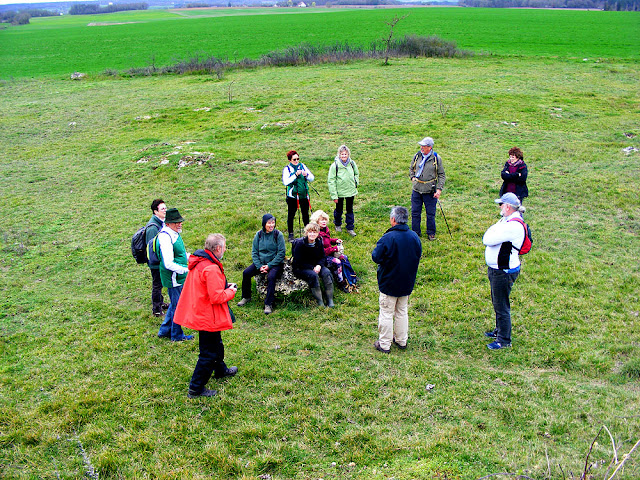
[(267, 255), (308, 260), (333, 249)]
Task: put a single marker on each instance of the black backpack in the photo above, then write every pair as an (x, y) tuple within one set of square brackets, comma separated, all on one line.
[(139, 245)]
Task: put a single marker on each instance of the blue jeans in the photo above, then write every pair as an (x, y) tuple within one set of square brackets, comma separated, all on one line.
[(210, 361), (168, 328), (501, 284), (430, 202)]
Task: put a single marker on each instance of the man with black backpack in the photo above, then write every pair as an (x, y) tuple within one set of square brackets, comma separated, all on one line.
[(504, 241), (155, 224)]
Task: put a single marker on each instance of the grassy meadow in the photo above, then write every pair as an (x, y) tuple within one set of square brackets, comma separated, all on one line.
[(88, 390), (93, 43)]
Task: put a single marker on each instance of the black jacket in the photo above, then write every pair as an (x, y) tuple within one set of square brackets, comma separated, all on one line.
[(397, 254), (519, 178), (307, 256)]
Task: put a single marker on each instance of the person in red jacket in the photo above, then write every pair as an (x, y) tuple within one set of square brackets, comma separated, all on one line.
[(203, 306)]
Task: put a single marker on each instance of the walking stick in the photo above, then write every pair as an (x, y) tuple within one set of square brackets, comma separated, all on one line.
[(299, 224), (445, 218), (314, 189)]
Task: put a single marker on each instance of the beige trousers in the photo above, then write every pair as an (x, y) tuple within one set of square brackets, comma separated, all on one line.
[(393, 320)]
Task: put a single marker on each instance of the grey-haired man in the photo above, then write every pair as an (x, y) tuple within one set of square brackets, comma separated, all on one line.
[(427, 175), (503, 241), (397, 254)]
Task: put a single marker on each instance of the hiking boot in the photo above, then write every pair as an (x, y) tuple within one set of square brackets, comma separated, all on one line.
[(491, 334), (497, 345), (229, 372), (291, 239), (338, 228), (351, 232), (184, 337), (431, 237), (244, 301), (401, 347), (268, 309), (158, 314), (205, 393), (165, 306), (377, 346)]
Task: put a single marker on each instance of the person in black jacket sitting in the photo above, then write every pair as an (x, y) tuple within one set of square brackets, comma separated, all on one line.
[(514, 174), (308, 256)]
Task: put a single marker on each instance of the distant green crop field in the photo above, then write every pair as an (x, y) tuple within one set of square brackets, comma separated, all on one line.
[(60, 45)]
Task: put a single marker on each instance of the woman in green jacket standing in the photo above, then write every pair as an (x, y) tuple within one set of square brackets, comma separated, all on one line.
[(343, 182)]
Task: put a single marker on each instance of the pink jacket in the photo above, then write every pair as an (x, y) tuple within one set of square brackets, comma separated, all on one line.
[(328, 242)]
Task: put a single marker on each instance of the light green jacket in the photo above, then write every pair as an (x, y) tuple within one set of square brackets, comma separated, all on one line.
[(343, 181)]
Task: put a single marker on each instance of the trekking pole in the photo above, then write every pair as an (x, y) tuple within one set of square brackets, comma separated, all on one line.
[(299, 224), (445, 218), (314, 189)]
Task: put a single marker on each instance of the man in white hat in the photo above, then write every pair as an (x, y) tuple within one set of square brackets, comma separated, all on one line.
[(427, 175), (503, 242)]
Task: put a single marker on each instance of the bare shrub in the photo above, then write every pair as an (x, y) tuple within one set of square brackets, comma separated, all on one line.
[(306, 54)]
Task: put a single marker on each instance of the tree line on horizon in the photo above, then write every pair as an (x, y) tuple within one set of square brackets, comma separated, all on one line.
[(619, 5), (94, 8)]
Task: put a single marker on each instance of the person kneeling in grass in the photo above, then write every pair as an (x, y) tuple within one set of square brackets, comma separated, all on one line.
[(204, 306)]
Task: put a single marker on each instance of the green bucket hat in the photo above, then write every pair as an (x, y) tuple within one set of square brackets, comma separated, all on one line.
[(173, 216)]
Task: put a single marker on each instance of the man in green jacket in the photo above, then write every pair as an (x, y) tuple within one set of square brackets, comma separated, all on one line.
[(174, 261), (155, 224)]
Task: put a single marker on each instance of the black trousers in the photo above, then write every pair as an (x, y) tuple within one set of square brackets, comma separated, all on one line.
[(210, 361), (272, 278), (156, 291), (292, 208), (337, 213)]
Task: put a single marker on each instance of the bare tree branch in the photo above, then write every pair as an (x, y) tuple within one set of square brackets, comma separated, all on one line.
[(517, 475), (586, 460), (624, 459)]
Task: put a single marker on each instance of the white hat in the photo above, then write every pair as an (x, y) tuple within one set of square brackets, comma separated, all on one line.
[(510, 199), (426, 142)]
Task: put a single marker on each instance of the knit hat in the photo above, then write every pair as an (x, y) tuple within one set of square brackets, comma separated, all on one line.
[(265, 218)]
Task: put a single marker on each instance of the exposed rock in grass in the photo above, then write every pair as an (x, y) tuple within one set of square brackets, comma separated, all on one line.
[(78, 76), (195, 159), (629, 150), (286, 284)]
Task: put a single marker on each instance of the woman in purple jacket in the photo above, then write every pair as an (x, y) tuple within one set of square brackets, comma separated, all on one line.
[(514, 174)]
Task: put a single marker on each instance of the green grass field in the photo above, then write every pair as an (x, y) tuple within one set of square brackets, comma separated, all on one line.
[(61, 45), (86, 388)]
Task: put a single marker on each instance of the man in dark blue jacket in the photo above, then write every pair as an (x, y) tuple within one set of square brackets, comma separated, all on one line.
[(397, 254)]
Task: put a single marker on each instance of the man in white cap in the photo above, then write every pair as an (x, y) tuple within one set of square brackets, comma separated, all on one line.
[(503, 242), (427, 175)]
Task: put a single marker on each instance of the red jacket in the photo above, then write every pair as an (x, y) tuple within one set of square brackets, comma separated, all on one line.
[(204, 299), (327, 242)]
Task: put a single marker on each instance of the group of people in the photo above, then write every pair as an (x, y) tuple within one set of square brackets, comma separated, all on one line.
[(204, 303), (342, 180)]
